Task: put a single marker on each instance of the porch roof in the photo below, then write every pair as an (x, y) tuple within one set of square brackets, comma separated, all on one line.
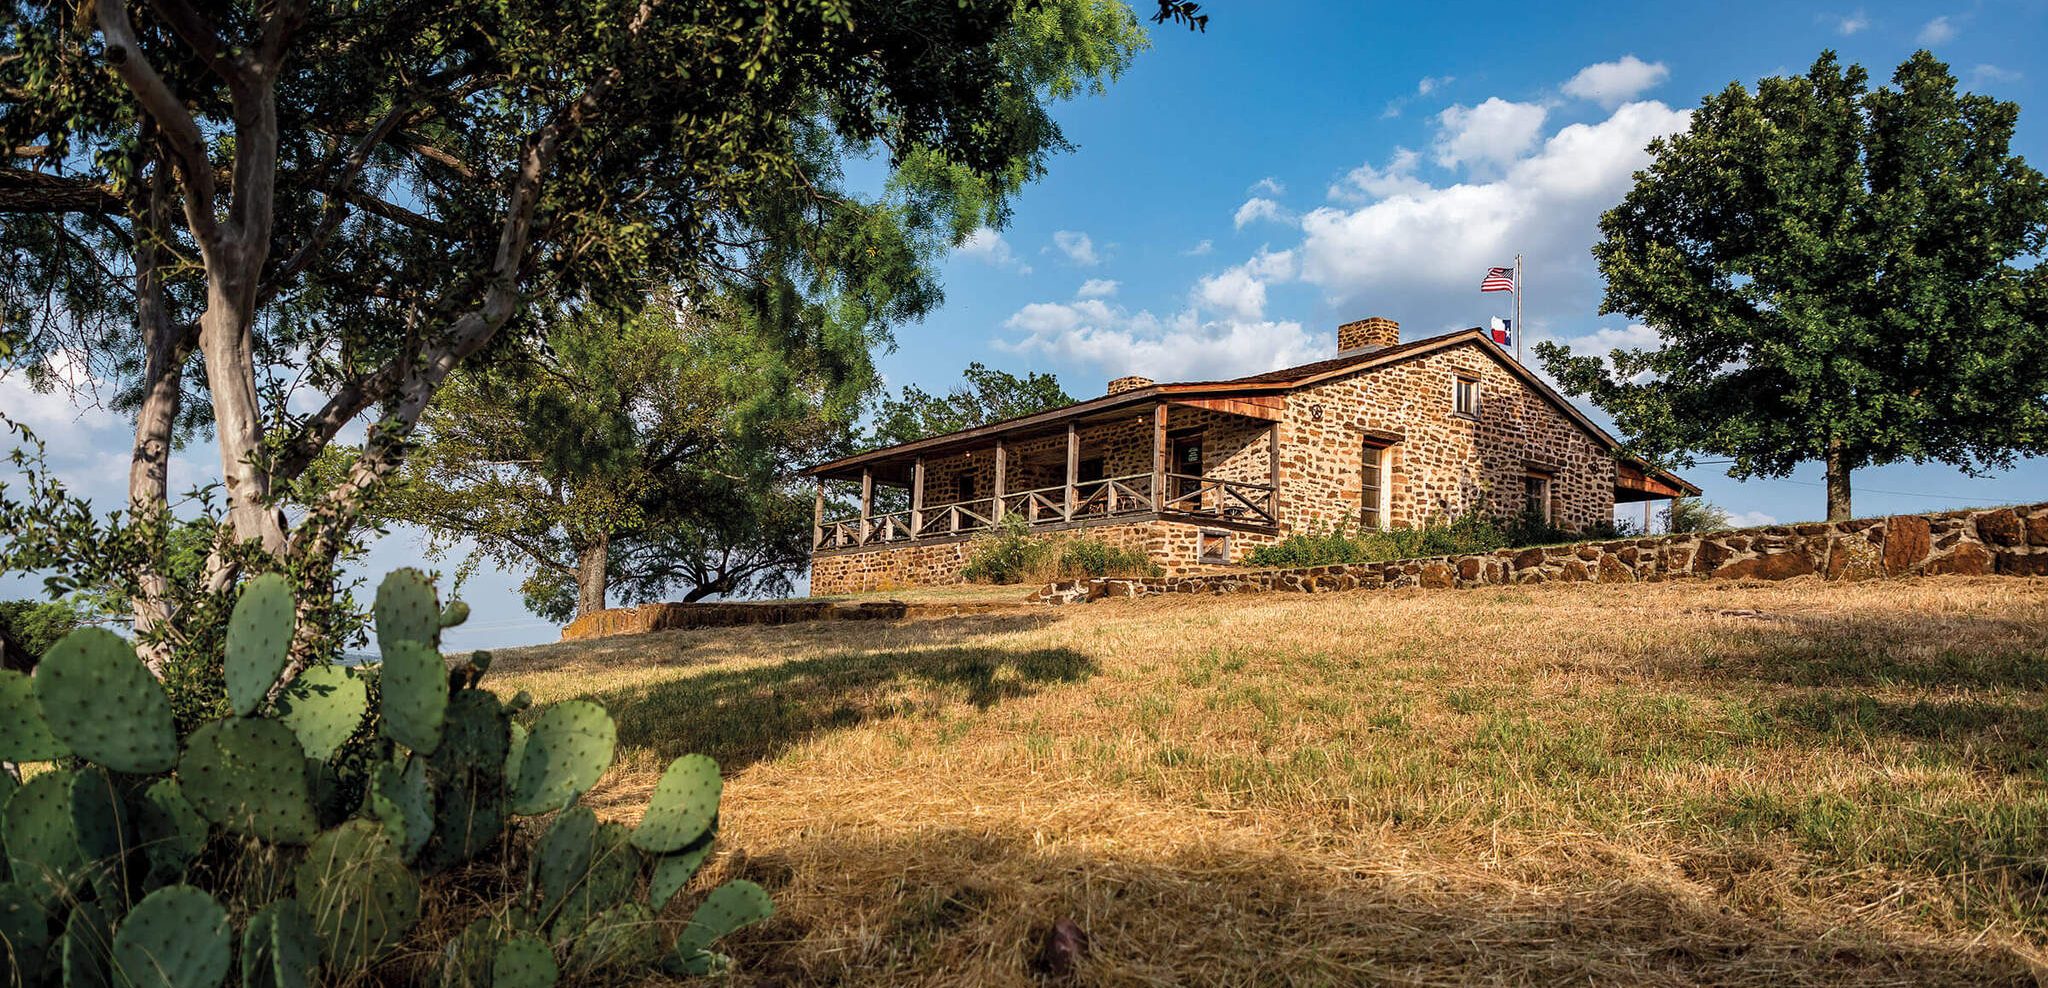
[(1261, 396)]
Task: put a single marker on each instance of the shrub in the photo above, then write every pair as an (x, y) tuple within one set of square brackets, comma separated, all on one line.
[(170, 840), (1468, 533), (1011, 554)]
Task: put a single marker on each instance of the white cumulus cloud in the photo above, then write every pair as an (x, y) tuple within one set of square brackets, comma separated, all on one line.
[(1938, 31), (1415, 250), (1493, 133), (1848, 24), (1097, 288), (1611, 84), (989, 247), (1078, 247), (1178, 347), (1259, 208)]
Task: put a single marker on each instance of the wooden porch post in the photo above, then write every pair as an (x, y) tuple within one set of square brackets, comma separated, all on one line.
[(1073, 467), (1273, 471), (1002, 466), (867, 503), (1159, 457), (1647, 516), (818, 517), (917, 498)]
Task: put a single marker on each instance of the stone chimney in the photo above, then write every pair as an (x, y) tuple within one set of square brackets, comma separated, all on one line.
[(1370, 333), (1131, 383)]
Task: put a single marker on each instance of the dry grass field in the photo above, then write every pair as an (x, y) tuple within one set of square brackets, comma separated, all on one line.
[(1684, 783)]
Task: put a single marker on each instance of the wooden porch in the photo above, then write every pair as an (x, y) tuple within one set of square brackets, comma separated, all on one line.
[(1242, 490)]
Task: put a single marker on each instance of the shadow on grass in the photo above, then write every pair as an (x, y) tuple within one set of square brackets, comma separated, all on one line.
[(946, 905), (739, 716)]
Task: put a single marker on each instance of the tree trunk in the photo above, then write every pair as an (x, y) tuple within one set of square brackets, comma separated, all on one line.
[(1838, 481), (165, 349), (591, 562)]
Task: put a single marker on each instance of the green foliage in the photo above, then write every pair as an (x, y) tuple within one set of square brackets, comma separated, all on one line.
[(34, 625), (257, 828), (1466, 533), (986, 396), (1012, 554), (1836, 273), (1691, 514)]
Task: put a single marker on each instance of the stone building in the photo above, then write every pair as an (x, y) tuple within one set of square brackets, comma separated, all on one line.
[(1198, 474)]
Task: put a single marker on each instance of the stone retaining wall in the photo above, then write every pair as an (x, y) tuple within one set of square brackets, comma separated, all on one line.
[(1996, 541)]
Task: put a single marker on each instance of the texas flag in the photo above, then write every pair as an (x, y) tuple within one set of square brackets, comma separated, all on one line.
[(1503, 332)]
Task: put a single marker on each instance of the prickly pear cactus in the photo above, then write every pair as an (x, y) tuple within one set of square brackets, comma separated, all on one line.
[(110, 864), (104, 705), (684, 803), (566, 751), (323, 706), (259, 641), (176, 937), (249, 775)]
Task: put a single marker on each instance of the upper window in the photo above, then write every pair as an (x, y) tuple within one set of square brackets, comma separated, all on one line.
[(1465, 396), (963, 488)]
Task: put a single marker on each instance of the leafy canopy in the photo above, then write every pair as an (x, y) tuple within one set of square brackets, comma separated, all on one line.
[(1835, 273)]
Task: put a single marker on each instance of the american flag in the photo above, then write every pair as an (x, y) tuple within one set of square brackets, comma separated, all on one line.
[(1498, 280)]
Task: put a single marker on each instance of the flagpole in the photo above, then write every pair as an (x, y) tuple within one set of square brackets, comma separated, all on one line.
[(1521, 328)]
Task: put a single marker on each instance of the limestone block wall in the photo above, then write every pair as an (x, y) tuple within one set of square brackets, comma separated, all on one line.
[(1998, 541), (1444, 465), (1174, 545)]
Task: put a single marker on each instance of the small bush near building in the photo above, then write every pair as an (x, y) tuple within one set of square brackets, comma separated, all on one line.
[(1012, 554), (1465, 534)]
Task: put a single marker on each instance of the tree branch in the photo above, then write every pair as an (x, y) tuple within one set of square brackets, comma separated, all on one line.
[(180, 133)]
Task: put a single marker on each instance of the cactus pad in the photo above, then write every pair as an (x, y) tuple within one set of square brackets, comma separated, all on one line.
[(524, 962), (414, 692), (279, 949), (404, 801), (42, 846), (86, 951), (674, 871), (405, 611), (360, 896), (614, 867), (568, 748), (684, 803), (249, 775), (323, 706), (729, 907), (99, 700), (454, 614), (24, 931), (620, 938), (102, 824), (24, 736), (515, 751), (170, 831), (176, 937), (562, 858), (468, 775), (259, 641)]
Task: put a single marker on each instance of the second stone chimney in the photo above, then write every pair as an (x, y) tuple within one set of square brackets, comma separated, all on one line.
[(1131, 383), (1370, 333)]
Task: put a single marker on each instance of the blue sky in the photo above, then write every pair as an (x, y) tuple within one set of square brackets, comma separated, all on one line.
[(1238, 194)]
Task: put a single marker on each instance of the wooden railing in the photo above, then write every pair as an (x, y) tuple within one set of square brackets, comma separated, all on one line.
[(1230, 500), (1111, 497)]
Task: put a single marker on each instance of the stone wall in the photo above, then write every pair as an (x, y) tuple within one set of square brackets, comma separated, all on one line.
[(1174, 545), (1444, 465), (1997, 541)]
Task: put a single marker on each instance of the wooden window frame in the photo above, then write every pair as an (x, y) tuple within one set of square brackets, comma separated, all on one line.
[(1459, 383), (1375, 463), (1549, 494)]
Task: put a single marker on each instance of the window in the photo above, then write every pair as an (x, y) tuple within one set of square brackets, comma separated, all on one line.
[(1372, 493), (1184, 458), (963, 489), (1536, 496), (1212, 545), (1088, 470), (1465, 397)]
